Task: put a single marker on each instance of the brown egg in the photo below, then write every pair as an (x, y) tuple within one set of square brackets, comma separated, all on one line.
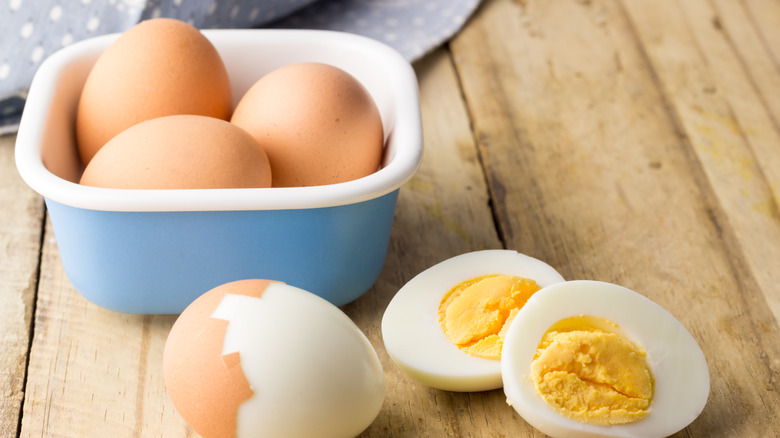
[(157, 68), (180, 152), (205, 385), (317, 123)]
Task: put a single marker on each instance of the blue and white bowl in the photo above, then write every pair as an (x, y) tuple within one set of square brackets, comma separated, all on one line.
[(155, 251)]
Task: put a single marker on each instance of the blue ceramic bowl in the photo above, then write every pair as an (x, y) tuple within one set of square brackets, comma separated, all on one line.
[(155, 251)]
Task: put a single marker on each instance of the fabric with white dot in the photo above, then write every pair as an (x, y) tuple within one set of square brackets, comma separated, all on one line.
[(31, 30)]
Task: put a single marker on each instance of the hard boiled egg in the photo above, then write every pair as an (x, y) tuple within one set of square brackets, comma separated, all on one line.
[(593, 359), (445, 327), (257, 358)]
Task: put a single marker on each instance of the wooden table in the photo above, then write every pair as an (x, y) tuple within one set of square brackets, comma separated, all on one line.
[(634, 142)]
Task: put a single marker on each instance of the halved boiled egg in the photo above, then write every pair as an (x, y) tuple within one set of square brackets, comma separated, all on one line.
[(446, 326), (587, 359)]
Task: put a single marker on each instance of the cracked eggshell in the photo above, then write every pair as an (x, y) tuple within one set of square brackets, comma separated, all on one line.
[(257, 358)]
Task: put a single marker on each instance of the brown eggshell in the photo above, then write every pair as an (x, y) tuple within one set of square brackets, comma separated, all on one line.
[(180, 152), (157, 68), (318, 124), (206, 387)]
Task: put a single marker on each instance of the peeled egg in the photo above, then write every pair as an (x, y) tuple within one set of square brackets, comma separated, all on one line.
[(180, 152), (157, 68), (594, 359), (258, 358), (474, 296), (318, 124)]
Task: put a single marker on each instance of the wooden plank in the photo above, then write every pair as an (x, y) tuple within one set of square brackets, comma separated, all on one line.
[(750, 32), (718, 99), (764, 16), (591, 170), (93, 372), (443, 211), (727, 119), (21, 217)]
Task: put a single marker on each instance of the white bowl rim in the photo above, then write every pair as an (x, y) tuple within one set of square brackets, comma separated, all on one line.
[(406, 138)]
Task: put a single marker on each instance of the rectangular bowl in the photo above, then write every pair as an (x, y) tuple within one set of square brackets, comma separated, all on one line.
[(155, 251)]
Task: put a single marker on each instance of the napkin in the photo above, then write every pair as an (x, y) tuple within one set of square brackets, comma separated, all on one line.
[(31, 30)]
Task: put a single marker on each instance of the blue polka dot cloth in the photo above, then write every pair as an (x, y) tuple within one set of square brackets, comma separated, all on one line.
[(31, 30)]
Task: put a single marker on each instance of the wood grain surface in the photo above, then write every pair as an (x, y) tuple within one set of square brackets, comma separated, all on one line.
[(629, 141)]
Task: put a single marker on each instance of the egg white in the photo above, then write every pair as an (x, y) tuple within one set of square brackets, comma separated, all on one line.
[(414, 338), (312, 370), (680, 372)]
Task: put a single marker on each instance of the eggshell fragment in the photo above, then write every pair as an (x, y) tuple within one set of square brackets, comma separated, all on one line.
[(258, 358), (180, 152), (318, 124), (193, 353), (157, 68)]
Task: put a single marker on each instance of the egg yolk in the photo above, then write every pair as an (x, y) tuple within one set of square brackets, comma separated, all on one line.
[(476, 313), (587, 371)]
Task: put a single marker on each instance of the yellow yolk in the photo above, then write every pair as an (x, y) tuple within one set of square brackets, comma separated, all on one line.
[(587, 371), (476, 313)]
